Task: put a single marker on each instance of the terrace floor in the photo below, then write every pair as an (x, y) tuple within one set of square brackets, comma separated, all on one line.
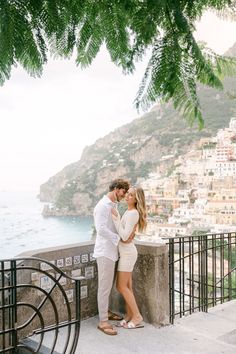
[(213, 332)]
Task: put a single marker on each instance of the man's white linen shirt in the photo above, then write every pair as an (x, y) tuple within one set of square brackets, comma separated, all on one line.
[(107, 237)]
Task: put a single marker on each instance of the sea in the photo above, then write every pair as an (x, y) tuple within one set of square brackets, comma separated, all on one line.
[(23, 228)]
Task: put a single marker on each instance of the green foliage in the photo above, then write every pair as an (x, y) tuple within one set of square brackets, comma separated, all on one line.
[(200, 232), (233, 258), (228, 284), (171, 170), (229, 254), (65, 196), (135, 172), (167, 139), (144, 169), (31, 31), (210, 145), (130, 164), (222, 247)]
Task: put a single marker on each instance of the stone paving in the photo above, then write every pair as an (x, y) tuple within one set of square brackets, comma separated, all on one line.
[(201, 333), (213, 332)]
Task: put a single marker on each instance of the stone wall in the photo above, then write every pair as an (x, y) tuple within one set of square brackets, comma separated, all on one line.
[(150, 281), (76, 261)]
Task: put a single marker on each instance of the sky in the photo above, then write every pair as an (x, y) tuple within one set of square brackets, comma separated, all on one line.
[(45, 123)]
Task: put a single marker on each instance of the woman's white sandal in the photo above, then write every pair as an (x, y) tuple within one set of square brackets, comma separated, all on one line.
[(122, 323), (132, 325)]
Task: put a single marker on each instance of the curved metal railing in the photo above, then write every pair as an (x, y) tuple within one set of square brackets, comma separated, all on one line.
[(39, 307)]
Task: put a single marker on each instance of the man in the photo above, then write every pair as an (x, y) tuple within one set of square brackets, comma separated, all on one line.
[(106, 250)]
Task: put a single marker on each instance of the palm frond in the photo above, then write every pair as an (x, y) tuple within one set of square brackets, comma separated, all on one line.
[(6, 42), (30, 31)]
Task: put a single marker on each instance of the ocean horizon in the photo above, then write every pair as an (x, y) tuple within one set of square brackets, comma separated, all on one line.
[(24, 228)]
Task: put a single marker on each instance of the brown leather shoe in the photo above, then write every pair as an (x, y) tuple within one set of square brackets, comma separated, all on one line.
[(114, 317), (110, 331)]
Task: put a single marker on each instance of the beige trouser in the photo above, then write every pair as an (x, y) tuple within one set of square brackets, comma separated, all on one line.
[(106, 269)]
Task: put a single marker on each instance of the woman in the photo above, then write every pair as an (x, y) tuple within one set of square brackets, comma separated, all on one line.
[(134, 216)]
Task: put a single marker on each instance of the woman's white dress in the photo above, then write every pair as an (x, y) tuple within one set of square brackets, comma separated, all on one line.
[(127, 251)]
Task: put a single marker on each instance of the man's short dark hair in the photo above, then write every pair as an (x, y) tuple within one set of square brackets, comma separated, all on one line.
[(119, 184)]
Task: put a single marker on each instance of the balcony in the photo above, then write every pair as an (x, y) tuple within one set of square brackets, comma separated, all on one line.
[(48, 302)]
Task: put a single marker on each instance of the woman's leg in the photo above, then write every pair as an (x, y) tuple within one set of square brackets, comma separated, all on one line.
[(124, 282), (129, 314)]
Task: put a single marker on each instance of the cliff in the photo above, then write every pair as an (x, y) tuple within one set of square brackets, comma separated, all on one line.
[(231, 52), (134, 150)]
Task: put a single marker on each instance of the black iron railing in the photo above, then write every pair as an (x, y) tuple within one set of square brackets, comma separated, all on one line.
[(37, 310), (202, 272)]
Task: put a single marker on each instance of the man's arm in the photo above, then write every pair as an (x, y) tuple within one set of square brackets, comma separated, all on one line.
[(101, 216)]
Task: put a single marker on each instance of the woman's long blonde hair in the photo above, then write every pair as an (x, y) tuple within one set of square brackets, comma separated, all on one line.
[(141, 207)]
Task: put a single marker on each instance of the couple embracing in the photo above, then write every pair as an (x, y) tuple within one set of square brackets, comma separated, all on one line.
[(114, 240)]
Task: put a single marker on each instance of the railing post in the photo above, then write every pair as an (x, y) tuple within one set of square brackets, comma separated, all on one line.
[(203, 273), (213, 270), (77, 315), (171, 281), (229, 267), (199, 274), (206, 267), (13, 303)]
